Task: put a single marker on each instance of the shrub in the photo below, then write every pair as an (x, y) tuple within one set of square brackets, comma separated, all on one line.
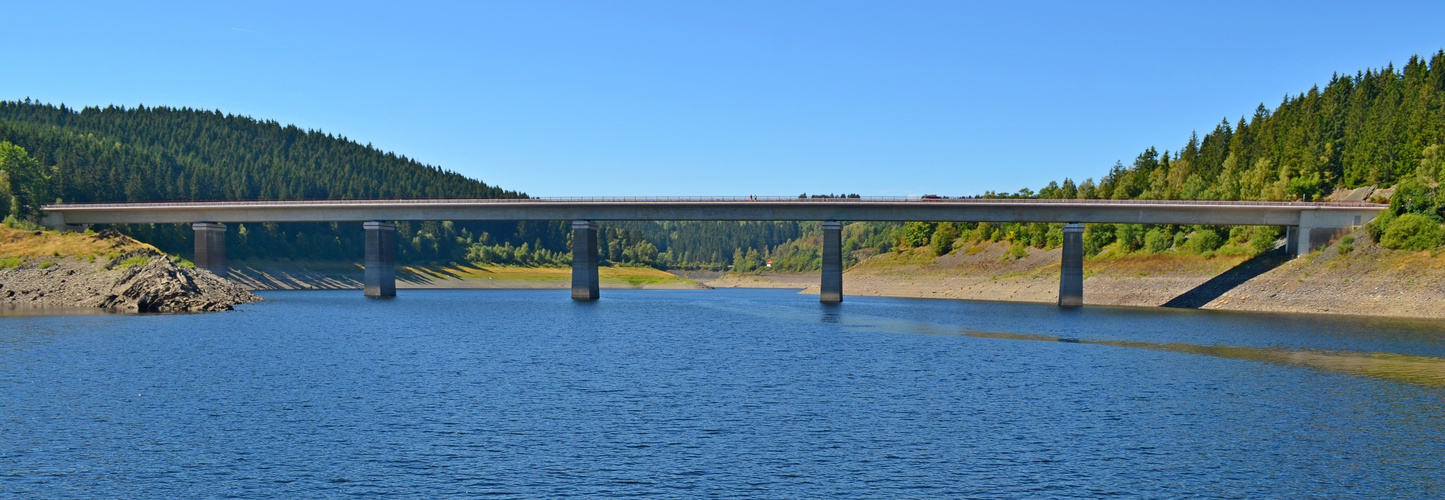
[(1263, 238), (21, 224), (1347, 245), (942, 240), (1096, 237), (1205, 240), (1376, 227), (917, 234), (1130, 237), (1412, 232), (984, 232), (1055, 237), (1018, 251), (1238, 234), (1157, 240)]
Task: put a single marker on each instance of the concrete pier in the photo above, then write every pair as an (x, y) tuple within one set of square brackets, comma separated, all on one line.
[(380, 274), (210, 247), (831, 290), (1071, 271), (584, 260)]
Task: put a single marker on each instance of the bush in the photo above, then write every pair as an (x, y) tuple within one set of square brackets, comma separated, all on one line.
[(1130, 237), (1413, 232), (917, 234), (1263, 238), (1018, 251), (1205, 240), (1157, 240), (984, 232), (942, 240), (21, 224), (1347, 245), (1238, 234), (1376, 227), (1096, 237)]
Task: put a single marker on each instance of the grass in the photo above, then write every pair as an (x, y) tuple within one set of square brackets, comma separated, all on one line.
[(139, 260), (27, 244)]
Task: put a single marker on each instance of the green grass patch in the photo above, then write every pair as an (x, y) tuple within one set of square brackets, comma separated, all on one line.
[(12, 262), (139, 260)]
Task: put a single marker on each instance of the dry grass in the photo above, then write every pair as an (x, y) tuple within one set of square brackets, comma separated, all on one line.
[(989, 259), (1140, 264), (15, 243)]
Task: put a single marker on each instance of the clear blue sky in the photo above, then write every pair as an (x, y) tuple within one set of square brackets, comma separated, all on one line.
[(686, 98)]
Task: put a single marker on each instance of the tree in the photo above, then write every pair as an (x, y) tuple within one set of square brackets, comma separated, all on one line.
[(23, 182)]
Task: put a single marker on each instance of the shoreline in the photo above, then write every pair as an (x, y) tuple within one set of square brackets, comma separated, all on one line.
[(322, 275), (1350, 280)]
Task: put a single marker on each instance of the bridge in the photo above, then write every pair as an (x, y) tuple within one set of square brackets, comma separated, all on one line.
[(1310, 225)]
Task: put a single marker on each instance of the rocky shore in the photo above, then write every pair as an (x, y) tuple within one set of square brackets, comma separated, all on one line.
[(107, 271)]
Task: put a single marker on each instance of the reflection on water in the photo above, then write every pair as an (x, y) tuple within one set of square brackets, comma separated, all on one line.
[(29, 310), (1420, 370)]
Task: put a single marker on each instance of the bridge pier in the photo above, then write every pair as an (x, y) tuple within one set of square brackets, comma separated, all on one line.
[(380, 263), (1071, 270), (584, 260), (830, 290), (210, 247)]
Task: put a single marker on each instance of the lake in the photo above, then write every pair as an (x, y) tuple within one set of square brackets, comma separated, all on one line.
[(717, 393)]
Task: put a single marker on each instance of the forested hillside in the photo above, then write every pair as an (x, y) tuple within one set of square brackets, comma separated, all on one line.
[(1379, 127), (159, 153), (1376, 127)]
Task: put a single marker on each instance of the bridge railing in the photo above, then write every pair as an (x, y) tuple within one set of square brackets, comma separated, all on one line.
[(705, 199)]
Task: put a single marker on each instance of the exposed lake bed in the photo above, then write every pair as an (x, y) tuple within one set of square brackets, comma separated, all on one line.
[(721, 392)]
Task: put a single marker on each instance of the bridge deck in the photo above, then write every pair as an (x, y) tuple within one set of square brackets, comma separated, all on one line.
[(713, 208)]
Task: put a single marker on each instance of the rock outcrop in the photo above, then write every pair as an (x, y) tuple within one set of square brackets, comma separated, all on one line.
[(140, 280)]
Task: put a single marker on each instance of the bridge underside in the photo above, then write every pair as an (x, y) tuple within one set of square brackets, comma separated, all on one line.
[(1311, 225)]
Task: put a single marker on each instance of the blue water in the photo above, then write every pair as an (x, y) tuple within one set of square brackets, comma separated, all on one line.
[(717, 393)]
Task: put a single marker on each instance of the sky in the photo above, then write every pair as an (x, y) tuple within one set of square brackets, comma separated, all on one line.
[(619, 98)]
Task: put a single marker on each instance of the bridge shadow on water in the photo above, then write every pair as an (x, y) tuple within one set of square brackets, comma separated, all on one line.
[(1219, 285)]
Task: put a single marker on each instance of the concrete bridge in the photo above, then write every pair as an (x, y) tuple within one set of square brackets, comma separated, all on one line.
[(1311, 225)]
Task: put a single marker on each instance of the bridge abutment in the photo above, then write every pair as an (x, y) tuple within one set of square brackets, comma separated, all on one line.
[(584, 260), (1318, 227), (211, 247), (1071, 270), (380, 274), (831, 288)]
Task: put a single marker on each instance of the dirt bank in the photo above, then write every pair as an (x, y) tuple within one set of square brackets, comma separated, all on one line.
[(1347, 278), (44, 269), (985, 272), (1366, 281)]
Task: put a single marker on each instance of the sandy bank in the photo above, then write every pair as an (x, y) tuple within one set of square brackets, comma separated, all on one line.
[(1367, 281)]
